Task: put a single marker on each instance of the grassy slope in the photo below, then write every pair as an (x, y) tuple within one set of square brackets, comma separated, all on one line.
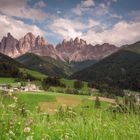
[(4, 80), (11, 61), (77, 66), (51, 66), (120, 67), (8, 66), (35, 74), (45, 65)]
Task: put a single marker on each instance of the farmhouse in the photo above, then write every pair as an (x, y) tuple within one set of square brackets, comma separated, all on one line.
[(29, 87), (5, 87)]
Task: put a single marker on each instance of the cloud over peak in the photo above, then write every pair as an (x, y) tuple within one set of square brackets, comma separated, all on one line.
[(17, 27), (95, 32)]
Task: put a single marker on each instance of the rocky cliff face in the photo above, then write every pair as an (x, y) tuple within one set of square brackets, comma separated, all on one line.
[(29, 43), (79, 50), (9, 46), (72, 50)]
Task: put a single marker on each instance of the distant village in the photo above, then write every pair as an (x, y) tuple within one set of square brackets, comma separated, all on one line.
[(28, 87)]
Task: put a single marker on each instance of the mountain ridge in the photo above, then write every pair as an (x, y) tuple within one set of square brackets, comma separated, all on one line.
[(76, 50), (119, 69)]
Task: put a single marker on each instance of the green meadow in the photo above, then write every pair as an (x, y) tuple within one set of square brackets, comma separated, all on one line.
[(57, 116)]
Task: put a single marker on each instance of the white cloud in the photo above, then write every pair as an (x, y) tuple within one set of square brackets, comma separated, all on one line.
[(96, 33), (20, 8), (85, 5), (40, 4), (109, 2), (70, 28), (98, 9), (121, 33), (17, 28), (102, 9)]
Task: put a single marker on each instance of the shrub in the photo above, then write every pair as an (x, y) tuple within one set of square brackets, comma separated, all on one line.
[(78, 84), (97, 102), (52, 81)]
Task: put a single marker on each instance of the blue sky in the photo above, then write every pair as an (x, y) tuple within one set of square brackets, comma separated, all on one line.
[(97, 21)]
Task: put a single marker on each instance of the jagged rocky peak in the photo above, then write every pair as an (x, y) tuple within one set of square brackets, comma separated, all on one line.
[(9, 45), (83, 42), (40, 41), (64, 41), (26, 43), (9, 35), (78, 50), (71, 40), (77, 40), (29, 37)]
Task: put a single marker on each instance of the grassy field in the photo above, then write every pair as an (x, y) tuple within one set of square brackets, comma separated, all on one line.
[(4, 80), (35, 74), (70, 83), (79, 122), (85, 90)]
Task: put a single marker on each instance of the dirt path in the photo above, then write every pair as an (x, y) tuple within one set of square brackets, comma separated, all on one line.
[(103, 99)]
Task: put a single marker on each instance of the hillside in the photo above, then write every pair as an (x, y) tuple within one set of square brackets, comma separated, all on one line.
[(8, 66), (46, 65), (12, 68), (120, 69), (77, 66)]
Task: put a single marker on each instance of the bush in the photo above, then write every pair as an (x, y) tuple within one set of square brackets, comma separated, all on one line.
[(52, 81), (97, 102), (78, 84), (109, 91)]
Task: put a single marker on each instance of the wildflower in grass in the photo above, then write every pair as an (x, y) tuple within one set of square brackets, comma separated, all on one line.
[(46, 137), (29, 122), (29, 138), (11, 133), (27, 129), (10, 93), (104, 125), (12, 105), (64, 136), (11, 124), (15, 98)]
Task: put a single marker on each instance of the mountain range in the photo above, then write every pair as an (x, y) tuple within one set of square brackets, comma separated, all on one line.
[(119, 69), (99, 64), (75, 50)]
